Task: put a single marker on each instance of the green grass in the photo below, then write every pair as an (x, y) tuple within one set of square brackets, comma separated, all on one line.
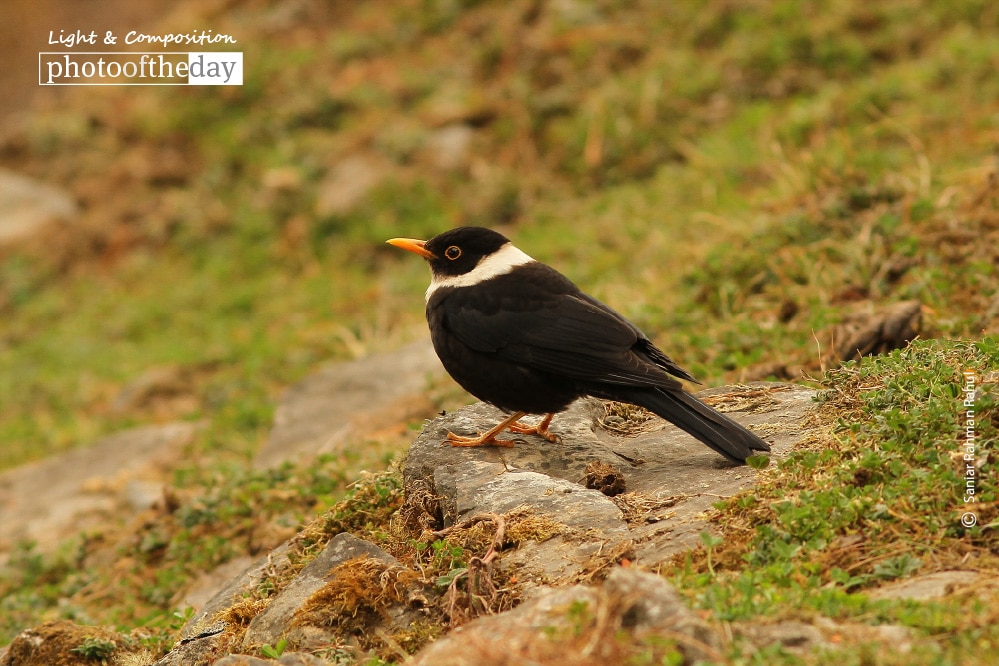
[(700, 168), (132, 575), (881, 499)]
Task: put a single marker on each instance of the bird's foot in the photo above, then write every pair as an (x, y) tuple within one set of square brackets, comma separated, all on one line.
[(541, 429), (513, 425), (487, 439)]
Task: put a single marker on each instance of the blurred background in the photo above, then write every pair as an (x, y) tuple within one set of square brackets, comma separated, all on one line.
[(25, 31), (728, 174), (739, 178)]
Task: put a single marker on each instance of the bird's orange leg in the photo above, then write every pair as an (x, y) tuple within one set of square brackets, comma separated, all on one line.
[(540, 429), (488, 438)]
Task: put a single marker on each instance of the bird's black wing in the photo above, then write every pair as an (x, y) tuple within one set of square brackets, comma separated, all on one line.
[(644, 346), (549, 325)]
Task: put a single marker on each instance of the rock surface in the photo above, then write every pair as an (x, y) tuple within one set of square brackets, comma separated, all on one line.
[(28, 207), (575, 528), (322, 412), (347, 184), (558, 625), (566, 536), (668, 477), (274, 622), (53, 644), (929, 586), (450, 146), (85, 486), (128, 470), (663, 481), (290, 659)]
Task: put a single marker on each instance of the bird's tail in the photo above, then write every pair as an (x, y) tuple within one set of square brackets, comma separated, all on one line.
[(700, 421)]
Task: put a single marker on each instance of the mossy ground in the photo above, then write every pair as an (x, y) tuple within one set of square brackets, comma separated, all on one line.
[(735, 177), (881, 496)]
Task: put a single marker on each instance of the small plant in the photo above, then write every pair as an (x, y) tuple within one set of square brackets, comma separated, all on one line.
[(95, 648), (274, 651), (897, 567), (444, 551), (182, 617), (710, 542), (442, 558)]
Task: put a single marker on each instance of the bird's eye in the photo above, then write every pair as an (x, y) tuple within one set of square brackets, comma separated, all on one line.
[(452, 252)]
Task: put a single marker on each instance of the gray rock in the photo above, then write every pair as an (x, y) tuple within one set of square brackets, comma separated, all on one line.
[(273, 623), (899, 639), (234, 590), (823, 635), (288, 659), (576, 624), (244, 660), (28, 207), (201, 636), (324, 411), (660, 465), (450, 146), (648, 601), (669, 479), (593, 522), (929, 586), (194, 651), (209, 584), (798, 637), (85, 486), (477, 487), (347, 184), (142, 494)]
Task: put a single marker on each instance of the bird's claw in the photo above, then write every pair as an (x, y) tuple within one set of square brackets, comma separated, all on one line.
[(479, 440), (522, 429)]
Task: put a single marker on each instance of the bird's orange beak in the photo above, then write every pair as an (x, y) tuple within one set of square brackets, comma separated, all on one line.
[(413, 245)]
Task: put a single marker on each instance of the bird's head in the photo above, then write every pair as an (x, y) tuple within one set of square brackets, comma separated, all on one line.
[(464, 256), (454, 252)]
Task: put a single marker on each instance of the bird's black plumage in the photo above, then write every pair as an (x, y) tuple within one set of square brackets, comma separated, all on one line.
[(518, 334)]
